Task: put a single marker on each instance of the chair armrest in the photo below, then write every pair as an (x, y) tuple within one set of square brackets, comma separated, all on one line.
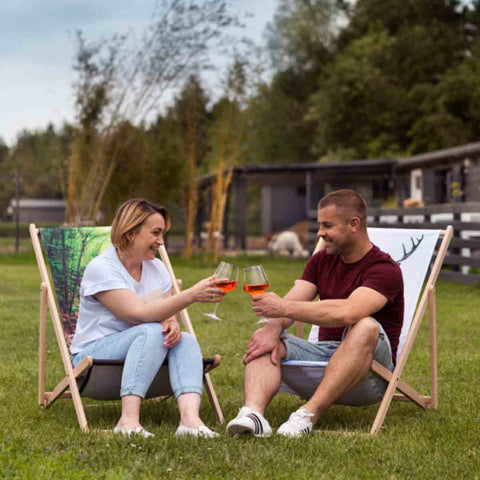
[(210, 363)]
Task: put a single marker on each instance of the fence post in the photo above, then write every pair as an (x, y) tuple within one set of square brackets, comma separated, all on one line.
[(456, 234), (17, 210), (400, 217)]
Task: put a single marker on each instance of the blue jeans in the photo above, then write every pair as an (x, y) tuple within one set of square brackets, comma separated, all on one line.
[(142, 349)]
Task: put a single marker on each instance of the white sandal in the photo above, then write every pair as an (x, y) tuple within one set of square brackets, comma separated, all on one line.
[(201, 431), (133, 431)]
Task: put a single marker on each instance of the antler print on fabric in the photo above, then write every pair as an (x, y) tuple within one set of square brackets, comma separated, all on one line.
[(414, 247)]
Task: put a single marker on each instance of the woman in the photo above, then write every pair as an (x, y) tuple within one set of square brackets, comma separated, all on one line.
[(116, 321)]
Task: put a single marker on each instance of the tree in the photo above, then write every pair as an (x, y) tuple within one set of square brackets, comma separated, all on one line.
[(277, 130), (302, 35), (40, 156), (192, 118), (450, 110), (118, 82), (140, 171), (360, 109), (301, 42), (226, 136), (6, 174), (398, 17), (375, 98)]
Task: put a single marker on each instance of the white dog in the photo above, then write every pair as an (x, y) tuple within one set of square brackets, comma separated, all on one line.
[(287, 243)]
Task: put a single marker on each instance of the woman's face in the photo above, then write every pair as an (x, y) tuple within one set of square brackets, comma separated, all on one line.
[(146, 242)]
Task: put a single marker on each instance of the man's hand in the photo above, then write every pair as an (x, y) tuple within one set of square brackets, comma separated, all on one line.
[(173, 332), (268, 305), (265, 340)]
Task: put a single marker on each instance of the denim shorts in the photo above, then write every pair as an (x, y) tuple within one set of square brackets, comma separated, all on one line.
[(302, 350)]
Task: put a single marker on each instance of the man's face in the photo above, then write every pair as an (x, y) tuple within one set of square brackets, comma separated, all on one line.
[(335, 231)]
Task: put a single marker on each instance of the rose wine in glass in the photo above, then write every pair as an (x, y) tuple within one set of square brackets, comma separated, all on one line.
[(255, 282), (228, 275)]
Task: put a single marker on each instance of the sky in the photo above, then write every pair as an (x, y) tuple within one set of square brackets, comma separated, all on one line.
[(37, 51)]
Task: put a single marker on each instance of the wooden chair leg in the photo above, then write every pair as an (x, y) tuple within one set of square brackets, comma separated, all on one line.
[(382, 411), (407, 391), (433, 349), (42, 345), (84, 365), (212, 396), (77, 402), (70, 381), (189, 328)]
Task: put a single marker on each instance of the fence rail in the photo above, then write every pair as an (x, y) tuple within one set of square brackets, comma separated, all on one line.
[(462, 263)]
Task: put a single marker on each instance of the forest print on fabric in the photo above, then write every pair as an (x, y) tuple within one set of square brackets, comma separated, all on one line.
[(69, 250)]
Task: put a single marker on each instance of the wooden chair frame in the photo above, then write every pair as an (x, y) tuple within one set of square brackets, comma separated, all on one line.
[(68, 386), (394, 379)]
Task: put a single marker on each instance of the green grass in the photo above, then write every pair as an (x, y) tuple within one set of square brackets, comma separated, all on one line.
[(7, 245), (38, 443)]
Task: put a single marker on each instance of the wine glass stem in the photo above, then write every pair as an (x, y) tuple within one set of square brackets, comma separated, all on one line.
[(215, 309)]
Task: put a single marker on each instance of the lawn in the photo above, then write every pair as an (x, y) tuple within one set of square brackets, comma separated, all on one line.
[(40, 444)]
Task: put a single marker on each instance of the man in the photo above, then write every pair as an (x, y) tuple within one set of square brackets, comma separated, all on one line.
[(360, 314)]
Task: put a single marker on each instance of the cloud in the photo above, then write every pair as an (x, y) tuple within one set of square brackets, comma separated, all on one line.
[(37, 50), (28, 25)]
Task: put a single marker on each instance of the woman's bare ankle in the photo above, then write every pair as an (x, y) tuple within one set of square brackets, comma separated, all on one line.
[(128, 423), (191, 421)]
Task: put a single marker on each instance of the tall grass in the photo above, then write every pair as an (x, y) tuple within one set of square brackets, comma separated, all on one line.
[(40, 444)]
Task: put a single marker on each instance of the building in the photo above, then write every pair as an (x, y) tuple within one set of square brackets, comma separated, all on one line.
[(444, 176), (38, 210), (289, 193)]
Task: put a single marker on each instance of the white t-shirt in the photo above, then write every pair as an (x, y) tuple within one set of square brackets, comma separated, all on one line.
[(106, 272)]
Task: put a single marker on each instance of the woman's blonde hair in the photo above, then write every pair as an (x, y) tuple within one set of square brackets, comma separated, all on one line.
[(129, 220)]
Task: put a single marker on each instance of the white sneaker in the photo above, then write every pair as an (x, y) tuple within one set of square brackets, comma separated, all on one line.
[(249, 422), (299, 423), (202, 431)]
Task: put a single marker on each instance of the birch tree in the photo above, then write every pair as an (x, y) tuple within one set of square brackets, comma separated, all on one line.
[(121, 80), (192, 117), (226, 139)]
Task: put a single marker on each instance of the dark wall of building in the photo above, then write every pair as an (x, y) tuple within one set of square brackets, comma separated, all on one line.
[(472, 180), (282, 206), (453, 183), (448, 176), (41, 215)]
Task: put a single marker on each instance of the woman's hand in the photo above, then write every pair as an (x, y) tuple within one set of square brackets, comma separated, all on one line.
[(205, 291), (173, 332)]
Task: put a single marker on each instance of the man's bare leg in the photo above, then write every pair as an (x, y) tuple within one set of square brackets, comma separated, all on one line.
[(347, 367), (262, 381)]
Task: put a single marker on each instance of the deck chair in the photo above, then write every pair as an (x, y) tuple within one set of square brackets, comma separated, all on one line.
[(414, 251), (68, 251)]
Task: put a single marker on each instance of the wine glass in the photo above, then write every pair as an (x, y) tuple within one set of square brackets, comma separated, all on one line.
[(228, 274), (255, 282)]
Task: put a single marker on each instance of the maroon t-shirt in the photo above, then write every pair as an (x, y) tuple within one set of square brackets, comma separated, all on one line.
[(376, 270)]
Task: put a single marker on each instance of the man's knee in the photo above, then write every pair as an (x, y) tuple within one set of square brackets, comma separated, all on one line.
[(366, 332), (281, 354)]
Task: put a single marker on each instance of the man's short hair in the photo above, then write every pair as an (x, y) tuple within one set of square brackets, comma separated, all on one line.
[(129, 220), (350, 203)]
